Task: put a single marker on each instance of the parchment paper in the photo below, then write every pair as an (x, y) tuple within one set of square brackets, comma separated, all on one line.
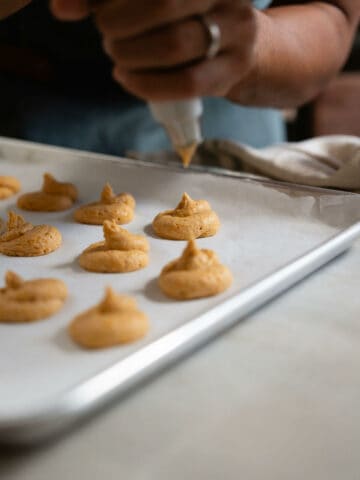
[(263, 227)]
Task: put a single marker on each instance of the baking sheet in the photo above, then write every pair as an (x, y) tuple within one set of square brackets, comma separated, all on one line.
[(264, 225)]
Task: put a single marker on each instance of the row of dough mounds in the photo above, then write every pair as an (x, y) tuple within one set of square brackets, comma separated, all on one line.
[(116, 320), (196, 273), (190, 219)]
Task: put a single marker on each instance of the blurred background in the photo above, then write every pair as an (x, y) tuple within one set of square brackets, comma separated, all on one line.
[(336, 110)]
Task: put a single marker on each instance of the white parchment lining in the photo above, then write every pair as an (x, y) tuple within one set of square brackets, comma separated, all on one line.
[(263, 227)]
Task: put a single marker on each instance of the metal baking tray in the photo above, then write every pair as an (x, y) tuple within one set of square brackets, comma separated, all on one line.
[(272, 236)]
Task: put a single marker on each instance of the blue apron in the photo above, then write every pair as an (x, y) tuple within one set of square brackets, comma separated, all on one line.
[(98, 115)]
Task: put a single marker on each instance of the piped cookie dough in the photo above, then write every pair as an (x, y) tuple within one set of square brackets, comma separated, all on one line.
[(22, 239), (119, 208), (121, 251), (190, 219), (115, 321), (196, 274), (9, 186), (187, 153), (54, 196), (31, 300)]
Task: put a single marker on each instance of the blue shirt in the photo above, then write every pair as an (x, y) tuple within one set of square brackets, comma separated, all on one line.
[(98, 115)]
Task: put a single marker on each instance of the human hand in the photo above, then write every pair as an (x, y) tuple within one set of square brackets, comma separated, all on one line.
[(159, 47), (70, 10)]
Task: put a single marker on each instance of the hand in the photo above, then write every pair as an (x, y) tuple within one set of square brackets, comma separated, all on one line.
[(70, 10), (8, 7), (159, 47)]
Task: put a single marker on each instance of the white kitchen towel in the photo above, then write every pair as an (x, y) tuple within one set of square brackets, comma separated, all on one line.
[(329, 161)]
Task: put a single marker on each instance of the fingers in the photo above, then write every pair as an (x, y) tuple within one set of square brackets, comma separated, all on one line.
[(69, 10), (208, 78), (123, 18), (158, 47), (169, 46), (168, 63)]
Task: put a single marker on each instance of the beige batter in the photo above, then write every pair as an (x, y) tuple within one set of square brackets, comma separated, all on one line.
[(116, 320), (9, 186), (54, 196), (186, 153), (119, 208), (31, 300), (190, 219), (121, 251), (197, 273), (22, 239)]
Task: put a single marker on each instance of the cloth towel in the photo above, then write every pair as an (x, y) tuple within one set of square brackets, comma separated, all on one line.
[(329, 161)]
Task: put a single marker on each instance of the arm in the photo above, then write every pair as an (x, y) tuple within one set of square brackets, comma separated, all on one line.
[(8, 7), (280, 57), (299, 48)]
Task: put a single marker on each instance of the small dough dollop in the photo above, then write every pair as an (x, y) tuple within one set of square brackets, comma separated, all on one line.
[(116, 320), (187, 153), (197, 273), (22, 239), (9, 186), (121, 251), (31, 300), (54, 196), (190, 219), (119, 208)]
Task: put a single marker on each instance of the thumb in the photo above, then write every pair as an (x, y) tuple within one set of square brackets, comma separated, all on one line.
[(69, 9)]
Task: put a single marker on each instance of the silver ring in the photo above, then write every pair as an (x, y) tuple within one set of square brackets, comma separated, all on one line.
[(214, 34)]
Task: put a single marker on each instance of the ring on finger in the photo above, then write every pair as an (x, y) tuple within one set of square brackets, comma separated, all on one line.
[(213, 32)]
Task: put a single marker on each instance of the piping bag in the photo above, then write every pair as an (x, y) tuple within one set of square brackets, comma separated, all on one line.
[(181, 120)]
